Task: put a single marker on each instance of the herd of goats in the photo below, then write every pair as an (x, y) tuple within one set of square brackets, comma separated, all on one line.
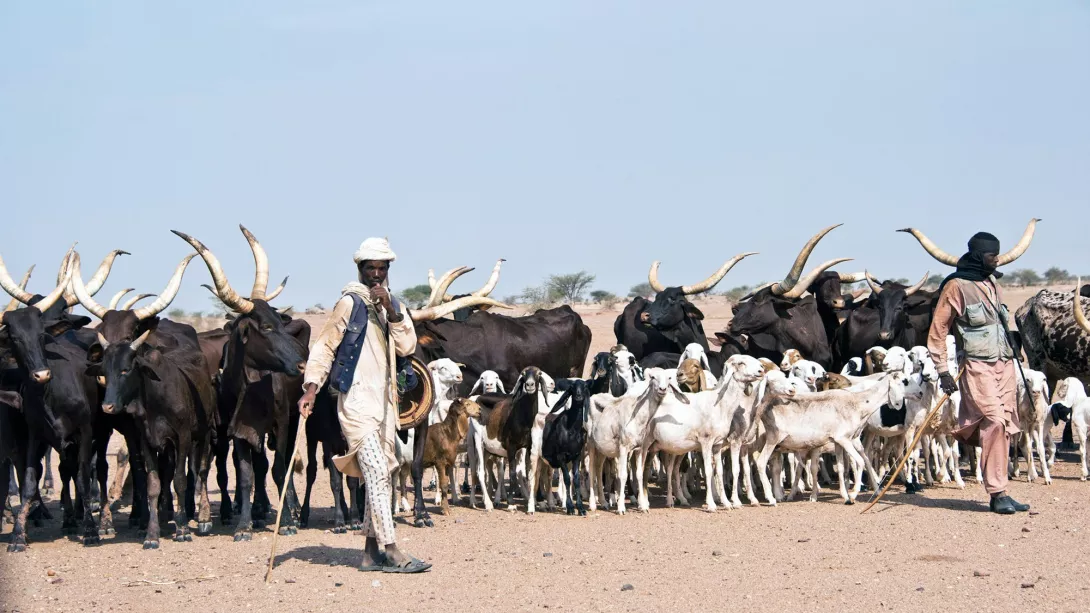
[(810, 385)]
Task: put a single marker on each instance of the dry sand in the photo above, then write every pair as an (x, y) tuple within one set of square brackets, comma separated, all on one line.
[(940, 548)]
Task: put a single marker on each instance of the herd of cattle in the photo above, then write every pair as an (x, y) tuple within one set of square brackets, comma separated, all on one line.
[(806, 376)]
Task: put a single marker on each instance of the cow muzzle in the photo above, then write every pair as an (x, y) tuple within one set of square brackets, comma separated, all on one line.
[(41, 377), (109, 408), (885, 335)]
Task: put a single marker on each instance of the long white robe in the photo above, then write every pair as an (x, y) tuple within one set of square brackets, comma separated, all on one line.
[(368, 406)]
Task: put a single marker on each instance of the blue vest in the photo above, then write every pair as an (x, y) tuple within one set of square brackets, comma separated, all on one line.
[(348, 353)]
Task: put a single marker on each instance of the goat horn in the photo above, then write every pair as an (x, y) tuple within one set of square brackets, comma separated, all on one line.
[(140, 340), (1080, 317), (132, 301), (915, 288), (1023, 244), (261, 265), (793, 275), (14, 304), (117, 298), (493, 279), (171, 290), (435, 312), (852, 277), (55, 295), (875, 288), (439, 292), (713, 280), (802, 285), (269, 297), (223, 288), (97, 280), (931, 248), (80, 290)]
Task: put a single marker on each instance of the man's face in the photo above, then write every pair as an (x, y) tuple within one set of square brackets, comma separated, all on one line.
[(373, 272), (991, 260)]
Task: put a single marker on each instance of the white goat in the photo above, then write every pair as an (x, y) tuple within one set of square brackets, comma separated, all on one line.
[(1071, 393), (808, 372), (1033, 410), (488, 383)]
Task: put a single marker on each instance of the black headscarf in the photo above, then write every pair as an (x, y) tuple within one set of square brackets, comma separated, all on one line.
[(971, 266)]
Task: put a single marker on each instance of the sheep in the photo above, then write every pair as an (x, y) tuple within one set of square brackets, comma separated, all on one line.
[(808, 421), (1070, 396), (1033, 409), (443, 440), (563, 440), (677, 429), (489, 383)]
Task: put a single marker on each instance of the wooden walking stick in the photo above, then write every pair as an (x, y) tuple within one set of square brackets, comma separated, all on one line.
[(908, 451), (284, 495)]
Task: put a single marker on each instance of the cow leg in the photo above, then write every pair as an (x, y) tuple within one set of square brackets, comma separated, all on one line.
[(421, 517), (151, 537), (283, 479), (262, 506), (201, 460), (7, 470), (222, 453), (358, 502), (340, 509), (121, 474), (83, 487), (181, 490), (312, 474), (30, 492), (102, 472), (244, 528), (69, 469), (47, 476), (236, 459), (138, 467)]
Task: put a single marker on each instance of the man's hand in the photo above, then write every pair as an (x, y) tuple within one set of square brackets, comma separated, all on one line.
[(947, 383), (381, 295), (306, 403)]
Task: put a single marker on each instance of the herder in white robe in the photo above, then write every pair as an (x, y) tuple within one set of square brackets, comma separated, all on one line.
[(368, 413)]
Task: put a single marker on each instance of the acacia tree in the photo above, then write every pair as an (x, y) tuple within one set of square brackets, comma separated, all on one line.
[(570, 287), (1056, 275), (641, 290), (416, 296)]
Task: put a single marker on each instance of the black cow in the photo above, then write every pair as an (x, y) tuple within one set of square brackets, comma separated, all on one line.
[(259, 388), (885, 319), (671, 322), (776, 317)]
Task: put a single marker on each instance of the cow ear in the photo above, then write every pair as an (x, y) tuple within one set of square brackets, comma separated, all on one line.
[(93, 370), (147, 369), (94, 353), (691, 310), (59, 327)]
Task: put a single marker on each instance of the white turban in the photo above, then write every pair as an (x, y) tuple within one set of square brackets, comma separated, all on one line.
[(374, 249)]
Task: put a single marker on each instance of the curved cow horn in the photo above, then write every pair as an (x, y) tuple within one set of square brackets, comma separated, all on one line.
[(859, 293), (852, 277), (105, 344), (793, 275), (931, 248), (754, 291), (132, 301), (276, 292), (55, 295), (713, 280), (80, 290), (117, 298), (1023, 244), (915, 288), (261, 265), (802, 285), (97, 280), (169, 292), (875, 288), (223, 289), (435, 312), (653, 277), (431, 278), (14, 304), (493, 279), (1080, 317), (439, 292), (9, 285), (140, 340)]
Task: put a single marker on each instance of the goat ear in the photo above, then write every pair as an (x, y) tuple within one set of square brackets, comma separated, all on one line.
[(560, 403), (476, 386), (499, 384)]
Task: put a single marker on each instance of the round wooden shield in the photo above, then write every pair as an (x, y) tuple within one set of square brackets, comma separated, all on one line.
[(414, 405)]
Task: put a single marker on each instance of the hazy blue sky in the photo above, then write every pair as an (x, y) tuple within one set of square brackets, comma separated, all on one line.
[(565, 135)]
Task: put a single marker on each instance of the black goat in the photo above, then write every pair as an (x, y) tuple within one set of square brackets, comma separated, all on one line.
[(564, 438)]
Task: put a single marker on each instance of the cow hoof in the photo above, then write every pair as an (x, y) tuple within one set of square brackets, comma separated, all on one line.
[(151, 545), (183, 538), (90, 540), (17, 548), (108, 531), (243, 536), (582, 512), (423, 522), (289, 531), (340, 529), (259, 524), (204, 528), (354, 526)]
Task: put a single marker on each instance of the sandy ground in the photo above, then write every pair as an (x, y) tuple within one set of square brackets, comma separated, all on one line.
[(938, 548)]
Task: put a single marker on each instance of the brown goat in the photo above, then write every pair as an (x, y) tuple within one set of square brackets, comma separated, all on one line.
[(444, 438), (833, 381), (690, 376), (768, 365), (789, 358)]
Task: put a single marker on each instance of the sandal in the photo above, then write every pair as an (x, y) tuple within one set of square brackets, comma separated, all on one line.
[(414, 566), (368, 568)]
